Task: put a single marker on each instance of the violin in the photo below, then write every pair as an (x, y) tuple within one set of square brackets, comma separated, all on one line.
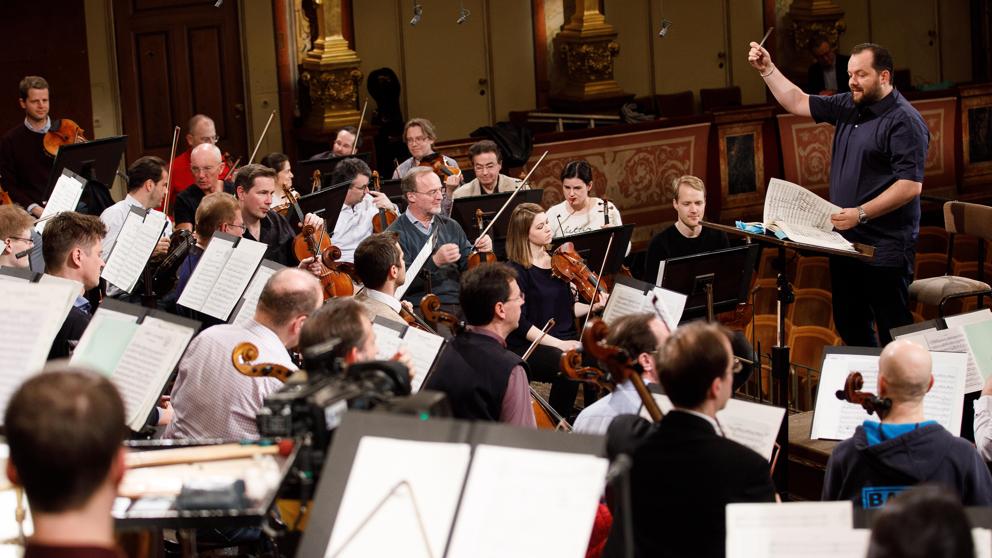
[(386, 216), (477, 256), (620, 365), (340, 275), (4, 197), (430, 306), (436, 162), (242, 357), (568, 265), (869, 401), (571, 365), (63, 131), (305, 245)]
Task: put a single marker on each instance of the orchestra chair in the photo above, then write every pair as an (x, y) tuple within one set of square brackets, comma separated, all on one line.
[(807, 344), (761, 334), (931, 240), (813, 272), (960, 218), (812, 307), (763, 297)]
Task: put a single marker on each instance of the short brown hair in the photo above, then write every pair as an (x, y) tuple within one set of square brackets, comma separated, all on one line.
[(691, 358), (518, 233), (64, 427), (347, 170), (484, 146), (283, 300), (481, 288), (409, 181), (340, 318), (424, 124), (691, 181), (13, 221), (31, 82), (66, 231), (633, 334), (374, 256), (246, 176), (215, 209), (144, 168)]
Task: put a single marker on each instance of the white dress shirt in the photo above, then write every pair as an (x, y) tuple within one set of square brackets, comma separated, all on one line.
[(354, 225), (596, 418), (114, 216)]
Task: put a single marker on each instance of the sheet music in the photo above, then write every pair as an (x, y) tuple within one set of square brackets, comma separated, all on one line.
[(387, 337), (423, 347), (73, 290), (134, 245), (547, 500), (834, 419), (751, 424), (31, 314), (65, 197), (207, 271), (627, 298), (975, 317), (954, 340), (789, 516), (983, 542), (979, 338), (791, 203), (435, 473), (104, 341), (234, 279), (624, 300), (814, 236), (247, 309), (669, 305), (413, 270), (799, 543)]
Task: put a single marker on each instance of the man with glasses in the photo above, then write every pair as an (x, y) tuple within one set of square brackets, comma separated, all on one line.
[(201, 130), (422, 223), (487, 162), (419, 136), (361, 206), (206, 166), (15, 233), (482, 379)]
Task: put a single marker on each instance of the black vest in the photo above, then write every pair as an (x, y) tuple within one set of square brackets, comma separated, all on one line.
[(473, 372)]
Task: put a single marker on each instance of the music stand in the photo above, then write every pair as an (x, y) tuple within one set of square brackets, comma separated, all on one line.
[(96, 160), (303, 170), (463, 211), (714, 281), (592, 247), (391, 187), (325, 204)]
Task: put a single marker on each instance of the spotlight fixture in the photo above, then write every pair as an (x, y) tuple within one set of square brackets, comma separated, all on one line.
[(463, 14), (418, 12), (666, 25)]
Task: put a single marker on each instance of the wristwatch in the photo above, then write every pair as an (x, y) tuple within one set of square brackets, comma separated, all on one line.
[(862, 216)]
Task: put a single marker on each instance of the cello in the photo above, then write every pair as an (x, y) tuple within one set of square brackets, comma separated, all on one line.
[(869, 401)]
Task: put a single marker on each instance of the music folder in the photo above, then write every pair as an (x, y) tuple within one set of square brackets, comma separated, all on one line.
[(592, 247), (630, 296), (137, 348), (423, 347), (222, 275), (133, 247)]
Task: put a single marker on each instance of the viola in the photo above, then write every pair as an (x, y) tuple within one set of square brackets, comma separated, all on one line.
[(4, 197), (568, 265), (306, 245), (621, 365), (545, 415), (63, 131), (242, 357), (340, 275), (478, 256), (571, 365), (869, 401), (436, 162), (164, 278), (386, 216)]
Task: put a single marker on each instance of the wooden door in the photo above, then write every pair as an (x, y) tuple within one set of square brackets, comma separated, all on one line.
[(177, 58), (913, 43), (696, 46)]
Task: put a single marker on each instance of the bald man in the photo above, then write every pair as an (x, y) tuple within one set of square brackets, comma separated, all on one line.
[(885, 458), (201, 130), (206, 163)]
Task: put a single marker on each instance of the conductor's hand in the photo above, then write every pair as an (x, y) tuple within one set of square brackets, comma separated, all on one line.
[(403, 358), (759, 58), (162, 247), (313, 265), (484, 244), (446, 254), (381, 200), (846, 219)]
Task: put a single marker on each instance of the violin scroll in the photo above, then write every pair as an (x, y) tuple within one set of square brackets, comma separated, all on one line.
[(242, 357), (869, 401), (430, 307), (621, 365)]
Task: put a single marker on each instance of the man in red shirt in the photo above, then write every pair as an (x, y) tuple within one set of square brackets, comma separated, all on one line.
[(201, 130)]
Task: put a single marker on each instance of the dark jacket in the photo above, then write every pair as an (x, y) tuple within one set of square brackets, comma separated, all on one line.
[(815, 82), (869, 475), (69, 334), (473, 372), (444, 279)]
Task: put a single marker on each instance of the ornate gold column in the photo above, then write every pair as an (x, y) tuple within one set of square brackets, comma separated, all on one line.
[(815, 17), (330, 71), (584, 50)]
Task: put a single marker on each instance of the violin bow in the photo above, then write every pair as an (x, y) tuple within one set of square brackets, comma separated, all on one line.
[(261, 137), (599, 278), (358, 132), (547, 328), (168, 179), (562, 423), (513, 195)]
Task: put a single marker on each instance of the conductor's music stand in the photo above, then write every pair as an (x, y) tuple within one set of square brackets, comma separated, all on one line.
[(714, 281)]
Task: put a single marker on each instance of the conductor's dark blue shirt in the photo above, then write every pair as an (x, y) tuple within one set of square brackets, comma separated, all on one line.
[(874, 146)]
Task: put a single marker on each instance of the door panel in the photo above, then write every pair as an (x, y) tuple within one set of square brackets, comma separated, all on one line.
[(913, 43), (685, 51)]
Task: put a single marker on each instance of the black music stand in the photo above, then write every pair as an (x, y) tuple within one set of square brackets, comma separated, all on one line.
[(463, 211), (303, 170), (96, 161), (325, 204), (714, 281), (592, 247), (391, 187)]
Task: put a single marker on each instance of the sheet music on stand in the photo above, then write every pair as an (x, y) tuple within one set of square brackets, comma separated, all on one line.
[(413, 270), (137, 348), (423, 347), (802, 215), (965, 333), (133, 247), (222, 275), (65, 197), (834, 419), (630, 296), (31, 314), (245, 309)]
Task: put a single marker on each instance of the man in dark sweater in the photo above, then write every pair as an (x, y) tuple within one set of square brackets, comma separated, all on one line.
[(687, 236), (482, 379), (24, 164), (423, 220), (885, 458)]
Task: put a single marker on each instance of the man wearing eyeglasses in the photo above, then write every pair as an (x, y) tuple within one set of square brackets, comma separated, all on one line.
[(420, 136), (201, 130), (361, 206), (15, 233), (487, 162), (206, 166)]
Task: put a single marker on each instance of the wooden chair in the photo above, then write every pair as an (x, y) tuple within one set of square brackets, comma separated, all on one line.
[(813, 272), (763, 296), (932, 240), (812, 307), (719, 98), (807, 344), (761, 332)]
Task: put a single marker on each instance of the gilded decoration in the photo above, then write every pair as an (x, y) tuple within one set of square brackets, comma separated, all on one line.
[(330, 72), (589, 61)]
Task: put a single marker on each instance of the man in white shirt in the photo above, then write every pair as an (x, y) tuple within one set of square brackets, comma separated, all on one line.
[(146, 187), (212, 399), (361, 206), (639, 335)]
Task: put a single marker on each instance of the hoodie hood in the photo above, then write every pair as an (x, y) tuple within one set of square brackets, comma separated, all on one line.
[(916, 454)]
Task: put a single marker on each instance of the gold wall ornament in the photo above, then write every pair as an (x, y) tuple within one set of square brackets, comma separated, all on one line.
[(331, 72), (811, 18), (301, 26)]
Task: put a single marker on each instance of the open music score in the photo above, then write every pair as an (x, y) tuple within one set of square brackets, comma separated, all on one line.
[(423, 347), (246, 308), (64, 197), (631, 296), (133, 247), (222, 275), (802, 216)]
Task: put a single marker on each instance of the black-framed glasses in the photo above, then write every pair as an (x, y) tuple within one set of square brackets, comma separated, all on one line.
[(31, 240), (242, 227)]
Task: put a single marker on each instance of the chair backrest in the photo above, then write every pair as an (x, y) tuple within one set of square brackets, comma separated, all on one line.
[(968, 218), (807, 344), (812, 307), (721, 97), (813, 272)]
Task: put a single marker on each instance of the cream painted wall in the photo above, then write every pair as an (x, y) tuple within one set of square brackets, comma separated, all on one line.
[(511, 40), (633, 22), (103, 77), (955, 40), (258, 49), (746, 22), (378, 40)]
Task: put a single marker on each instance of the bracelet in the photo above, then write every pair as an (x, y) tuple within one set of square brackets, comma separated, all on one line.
[(772, 71)]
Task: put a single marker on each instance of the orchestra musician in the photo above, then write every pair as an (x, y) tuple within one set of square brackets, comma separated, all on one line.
[(361, 206), (71, 244), (422, 221), (146, 187), (66, 430), (546, 296), (342, 146), (685, 458), (201, 130), (639, 335), (419, 135), (380, 266), (211, 398), (24, 163), (487, 160), (482, 379), (279, 162), (580, 212), (207, 164), (16, 226)]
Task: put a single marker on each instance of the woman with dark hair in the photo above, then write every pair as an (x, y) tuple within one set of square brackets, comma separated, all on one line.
[(279, 162), (580, 212), (927, 521)]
